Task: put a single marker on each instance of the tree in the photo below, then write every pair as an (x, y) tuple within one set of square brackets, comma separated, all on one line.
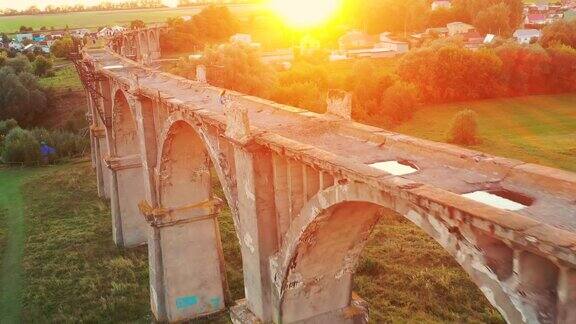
[(19, 64), (494, 20), (399, 102), (21, 97), (562, 68), (239, 67), (20, 146), (305, 95), (464, 128), (63, 47), (559, 32), (525, 69), (445, 73), (212, 25), (137, 24), (42, 66)]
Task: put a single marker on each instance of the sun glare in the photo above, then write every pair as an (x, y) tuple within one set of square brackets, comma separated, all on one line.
[(304, 13)]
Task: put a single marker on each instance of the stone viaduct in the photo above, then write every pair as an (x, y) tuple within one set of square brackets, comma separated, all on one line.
[(305, 191)]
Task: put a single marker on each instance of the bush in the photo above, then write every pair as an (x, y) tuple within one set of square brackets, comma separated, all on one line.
[(19, 64), (67, 144), (42, 66), (20, 146), (62, 47), (464, 129), (6, 126)]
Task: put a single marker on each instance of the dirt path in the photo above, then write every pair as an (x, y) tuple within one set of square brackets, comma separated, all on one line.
[(11, 270)]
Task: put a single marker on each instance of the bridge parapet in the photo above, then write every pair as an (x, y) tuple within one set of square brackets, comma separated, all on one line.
[(306, 190)]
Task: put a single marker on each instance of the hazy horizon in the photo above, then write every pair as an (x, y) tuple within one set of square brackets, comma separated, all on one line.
[(41, 4)]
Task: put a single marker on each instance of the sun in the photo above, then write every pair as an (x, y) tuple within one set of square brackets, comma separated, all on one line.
[(305, 13)]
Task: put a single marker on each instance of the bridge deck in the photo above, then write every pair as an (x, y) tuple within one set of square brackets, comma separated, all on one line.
[(355, 146)]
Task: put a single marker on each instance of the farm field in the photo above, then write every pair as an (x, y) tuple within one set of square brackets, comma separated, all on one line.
[(94, 19), (536, 129)]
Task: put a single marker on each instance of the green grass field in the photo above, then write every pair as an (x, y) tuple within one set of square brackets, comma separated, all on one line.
[(95, 19), (537, 129), (65, 78)]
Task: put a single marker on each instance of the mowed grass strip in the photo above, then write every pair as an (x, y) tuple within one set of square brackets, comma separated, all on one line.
[(535, 129), (11, 279), (3, 233), (73, 271)]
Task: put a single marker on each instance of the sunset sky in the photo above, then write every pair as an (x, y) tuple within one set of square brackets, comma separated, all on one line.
[(23, 4)]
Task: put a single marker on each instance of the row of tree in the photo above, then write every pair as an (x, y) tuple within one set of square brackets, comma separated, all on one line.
[(21, 96), (489, 16), (212, 25), (444, 71), (105, 5)]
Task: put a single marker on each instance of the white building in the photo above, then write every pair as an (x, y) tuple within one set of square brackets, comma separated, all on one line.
[(241, 38), (455, 28), (22, 37), (392, 45), (80, 33), (15, 46), (446, 4), (526, 36)]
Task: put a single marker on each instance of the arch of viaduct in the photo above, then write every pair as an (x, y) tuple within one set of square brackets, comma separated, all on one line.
[(305, 196), (141, 45)]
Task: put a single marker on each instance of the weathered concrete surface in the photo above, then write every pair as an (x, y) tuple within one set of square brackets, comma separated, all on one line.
[(304, 199)]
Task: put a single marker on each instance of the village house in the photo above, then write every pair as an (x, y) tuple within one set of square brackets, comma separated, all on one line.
[(438, 4), (80, 33), (14, 45), (110, 31), (244, 39), (355, 39), (535, 19), (38, 38), (386, 43), (455, 28), (526, 36), (23, 37), (473, 40), (241, 38), (437, 32)]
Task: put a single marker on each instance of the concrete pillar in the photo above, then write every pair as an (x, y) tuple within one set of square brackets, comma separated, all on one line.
[(186, 262), (258, 236), (567, 296), (147, 135), (339, 103), (257, 213), (201, 73), (106, 173), (98, 137), (129, 228)]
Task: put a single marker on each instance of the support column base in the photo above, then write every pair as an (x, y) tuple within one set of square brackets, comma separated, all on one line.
[(240, 314), (357, 313)]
